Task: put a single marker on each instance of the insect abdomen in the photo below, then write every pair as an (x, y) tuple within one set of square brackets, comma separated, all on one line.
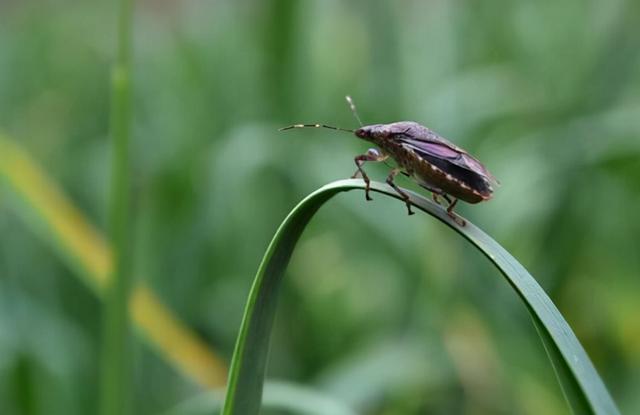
[(460, 188), (434, 173)]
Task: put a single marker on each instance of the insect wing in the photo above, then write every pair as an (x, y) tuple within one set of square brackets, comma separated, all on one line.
[(432, 148), (444, 150)]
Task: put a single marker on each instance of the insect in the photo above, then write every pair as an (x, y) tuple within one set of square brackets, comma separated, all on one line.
[(436, 164)]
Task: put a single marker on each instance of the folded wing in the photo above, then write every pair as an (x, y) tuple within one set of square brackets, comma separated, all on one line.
[(437, 148)]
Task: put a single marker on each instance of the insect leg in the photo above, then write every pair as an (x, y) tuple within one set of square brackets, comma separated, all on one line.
[(371, 155), (392, 174), (436, 193), (452, 215)]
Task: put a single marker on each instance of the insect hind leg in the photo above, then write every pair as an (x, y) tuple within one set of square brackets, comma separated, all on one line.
[(436, 194), (457, 219)]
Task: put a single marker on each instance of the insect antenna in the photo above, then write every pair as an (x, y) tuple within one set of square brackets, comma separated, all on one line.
[(314, 126), (353, 109)]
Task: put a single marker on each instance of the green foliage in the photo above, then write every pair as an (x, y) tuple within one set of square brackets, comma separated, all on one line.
[(282, 396), (545, 93)]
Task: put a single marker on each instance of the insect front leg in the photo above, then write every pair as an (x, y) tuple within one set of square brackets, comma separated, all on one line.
[(392, 174), (457, 219), (372, 154)]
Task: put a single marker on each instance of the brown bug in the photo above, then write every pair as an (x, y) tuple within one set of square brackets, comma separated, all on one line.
[(436, 164)]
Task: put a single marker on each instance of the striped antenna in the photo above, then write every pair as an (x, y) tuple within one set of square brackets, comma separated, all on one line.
[(314, 126), (353, 109)]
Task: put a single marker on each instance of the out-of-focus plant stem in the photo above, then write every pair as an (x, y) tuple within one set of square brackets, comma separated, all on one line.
[(114, 399)]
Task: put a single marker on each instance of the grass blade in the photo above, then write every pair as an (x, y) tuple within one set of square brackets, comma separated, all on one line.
[(583, 388), (116, 348)]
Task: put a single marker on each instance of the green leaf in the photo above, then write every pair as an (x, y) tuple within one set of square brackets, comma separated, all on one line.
[(583, 388)]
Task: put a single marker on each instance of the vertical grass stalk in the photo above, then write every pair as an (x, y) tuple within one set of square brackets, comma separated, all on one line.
[(115, 370)]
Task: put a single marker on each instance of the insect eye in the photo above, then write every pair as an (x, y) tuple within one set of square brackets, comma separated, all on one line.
[(361, 132)]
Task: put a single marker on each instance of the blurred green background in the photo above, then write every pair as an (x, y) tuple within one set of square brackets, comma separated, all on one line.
[(387, 313)]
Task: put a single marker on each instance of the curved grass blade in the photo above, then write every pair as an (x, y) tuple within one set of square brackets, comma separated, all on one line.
[(583, 388)]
